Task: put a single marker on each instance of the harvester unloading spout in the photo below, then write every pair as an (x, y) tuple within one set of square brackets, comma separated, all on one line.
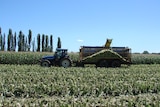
[(108, 43)]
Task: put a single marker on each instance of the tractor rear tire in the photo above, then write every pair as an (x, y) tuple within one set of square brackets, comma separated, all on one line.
[(65, 62), (45, 64)]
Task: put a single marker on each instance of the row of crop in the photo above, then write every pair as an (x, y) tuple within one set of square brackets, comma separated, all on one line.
[(146, 59), (21, 57), (33, 57), (142, 100), (89, 86), (26, 57)]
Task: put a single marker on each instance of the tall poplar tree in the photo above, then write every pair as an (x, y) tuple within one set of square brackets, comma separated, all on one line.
[(15, 41), (38, 42), (26, 44), (59, 43), (29, 39), (51, 43), (9, 40), (33, 45), (20, 41), (1, 38), (46, 43), (3, 42), (23, 42), (43, 43)]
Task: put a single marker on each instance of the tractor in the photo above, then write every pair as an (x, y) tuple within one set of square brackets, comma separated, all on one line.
[(60, 58)]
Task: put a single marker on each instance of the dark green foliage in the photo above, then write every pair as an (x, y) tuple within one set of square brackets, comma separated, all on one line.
[(9, 40), (12, 43), (46, 43), (0, 42), (29, 39), (33, 45), (23, 43), (26, 45), (43, 42), (1, 38), (38, 42), (3, 42), (20, 41), (145, 52), (51, 43), (59, 43), (15, 41)]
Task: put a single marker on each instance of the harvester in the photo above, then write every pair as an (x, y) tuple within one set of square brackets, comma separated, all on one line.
[(101, 56)]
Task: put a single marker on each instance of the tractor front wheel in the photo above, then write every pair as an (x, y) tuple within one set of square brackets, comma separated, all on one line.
[(65, 62), (45, 64)]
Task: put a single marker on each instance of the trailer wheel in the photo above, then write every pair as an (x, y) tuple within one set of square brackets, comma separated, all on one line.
[(116, 63), (79, 64), (65, 62), (103, 63), (45, 63)]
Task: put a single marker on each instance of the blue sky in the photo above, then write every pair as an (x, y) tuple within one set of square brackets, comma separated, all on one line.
[(130, 23)]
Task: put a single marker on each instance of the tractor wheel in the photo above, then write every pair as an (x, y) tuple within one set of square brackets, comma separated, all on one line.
[(65, 62), (45, 64), (116, 63), (103, 63)]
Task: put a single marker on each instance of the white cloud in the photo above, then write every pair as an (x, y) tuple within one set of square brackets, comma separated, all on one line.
[(80, 40)]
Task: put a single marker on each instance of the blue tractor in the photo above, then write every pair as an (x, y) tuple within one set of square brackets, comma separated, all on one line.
[(60, 58)]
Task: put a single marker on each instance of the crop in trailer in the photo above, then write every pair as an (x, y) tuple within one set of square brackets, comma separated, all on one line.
[(107, 53)]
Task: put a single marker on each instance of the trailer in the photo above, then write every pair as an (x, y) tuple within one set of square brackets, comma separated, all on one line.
[(104, 57)]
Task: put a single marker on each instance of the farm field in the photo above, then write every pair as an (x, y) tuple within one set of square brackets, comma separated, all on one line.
[(31, 58), (32, 85)]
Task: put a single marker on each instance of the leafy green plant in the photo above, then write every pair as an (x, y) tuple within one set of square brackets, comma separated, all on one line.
[(32, 85)]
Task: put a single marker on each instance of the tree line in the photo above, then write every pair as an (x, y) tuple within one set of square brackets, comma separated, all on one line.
[(22, 43)]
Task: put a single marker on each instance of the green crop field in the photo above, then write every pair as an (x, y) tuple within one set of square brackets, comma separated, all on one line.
[(23, 83), (146, 58), (35, 86), (33, 57)]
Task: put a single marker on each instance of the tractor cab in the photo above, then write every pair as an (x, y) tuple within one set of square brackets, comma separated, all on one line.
[(60, 53)]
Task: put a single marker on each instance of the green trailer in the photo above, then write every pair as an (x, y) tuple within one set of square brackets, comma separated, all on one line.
[(104, 56)]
